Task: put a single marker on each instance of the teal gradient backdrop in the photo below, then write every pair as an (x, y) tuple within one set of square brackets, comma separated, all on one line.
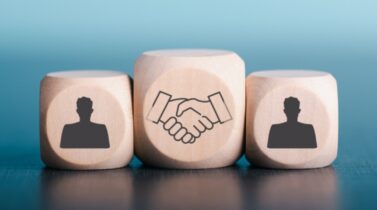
[(41, 36), (339, 36)]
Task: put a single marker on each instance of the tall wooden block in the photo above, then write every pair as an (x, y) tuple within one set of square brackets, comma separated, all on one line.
[(291, 119), (86, 120), (189, 108)]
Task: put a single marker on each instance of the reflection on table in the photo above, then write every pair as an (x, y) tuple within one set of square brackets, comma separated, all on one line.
[(291, 189), (108, 189), (227, 188), (188, 189)]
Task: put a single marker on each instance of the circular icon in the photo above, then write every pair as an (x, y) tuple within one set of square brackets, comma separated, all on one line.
[(188, 114), (84, 125), (291, 125)]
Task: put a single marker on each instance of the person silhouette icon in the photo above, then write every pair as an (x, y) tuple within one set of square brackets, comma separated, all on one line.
[(292, 134), (84, 134)]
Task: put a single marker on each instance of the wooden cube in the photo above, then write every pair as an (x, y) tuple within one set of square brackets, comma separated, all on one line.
[(291, 119), (189, 108), (86, 120)]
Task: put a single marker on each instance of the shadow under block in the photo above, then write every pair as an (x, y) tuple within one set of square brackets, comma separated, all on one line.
[(291, 119), (189, 108), (86, 120)]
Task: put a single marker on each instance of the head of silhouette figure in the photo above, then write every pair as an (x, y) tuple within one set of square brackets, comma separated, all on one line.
[(292, 108), (84, 108)]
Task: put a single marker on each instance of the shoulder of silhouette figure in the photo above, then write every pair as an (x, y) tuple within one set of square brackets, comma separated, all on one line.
[(277, 126), (69, 126), (275, 130), (308, 126), (99, 125)]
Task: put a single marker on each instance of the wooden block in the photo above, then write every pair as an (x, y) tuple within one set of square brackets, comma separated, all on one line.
[(189, 108), (291, 119), (86, 120)]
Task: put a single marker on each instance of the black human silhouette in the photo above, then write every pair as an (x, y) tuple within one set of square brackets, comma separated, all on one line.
[(292, 134), (84, 134)]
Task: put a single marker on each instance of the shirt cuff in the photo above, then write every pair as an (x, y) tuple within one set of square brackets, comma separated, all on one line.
[(220, 107), (158, 107)]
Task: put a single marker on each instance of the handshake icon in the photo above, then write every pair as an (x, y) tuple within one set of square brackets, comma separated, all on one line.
[(185, 119)]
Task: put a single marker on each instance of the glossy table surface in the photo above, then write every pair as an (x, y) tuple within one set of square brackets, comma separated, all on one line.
[(350, 183)]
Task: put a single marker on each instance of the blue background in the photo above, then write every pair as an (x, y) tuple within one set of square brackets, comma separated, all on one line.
[(338, 36), (39, 36)]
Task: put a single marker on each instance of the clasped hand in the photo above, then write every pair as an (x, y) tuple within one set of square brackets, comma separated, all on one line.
[(186, 119)]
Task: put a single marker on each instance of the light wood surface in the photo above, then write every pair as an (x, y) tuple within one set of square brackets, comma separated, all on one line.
[(291, 119), (189, 108), (70, 140)]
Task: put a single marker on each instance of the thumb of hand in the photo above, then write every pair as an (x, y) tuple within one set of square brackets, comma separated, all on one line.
[(184, 106)]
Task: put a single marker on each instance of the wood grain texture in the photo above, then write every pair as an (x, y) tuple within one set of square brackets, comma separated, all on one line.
[(271, 127), (189, 108), (110, 94)]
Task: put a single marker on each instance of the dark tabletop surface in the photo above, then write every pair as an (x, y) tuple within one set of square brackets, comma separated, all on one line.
[(350, 183)]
